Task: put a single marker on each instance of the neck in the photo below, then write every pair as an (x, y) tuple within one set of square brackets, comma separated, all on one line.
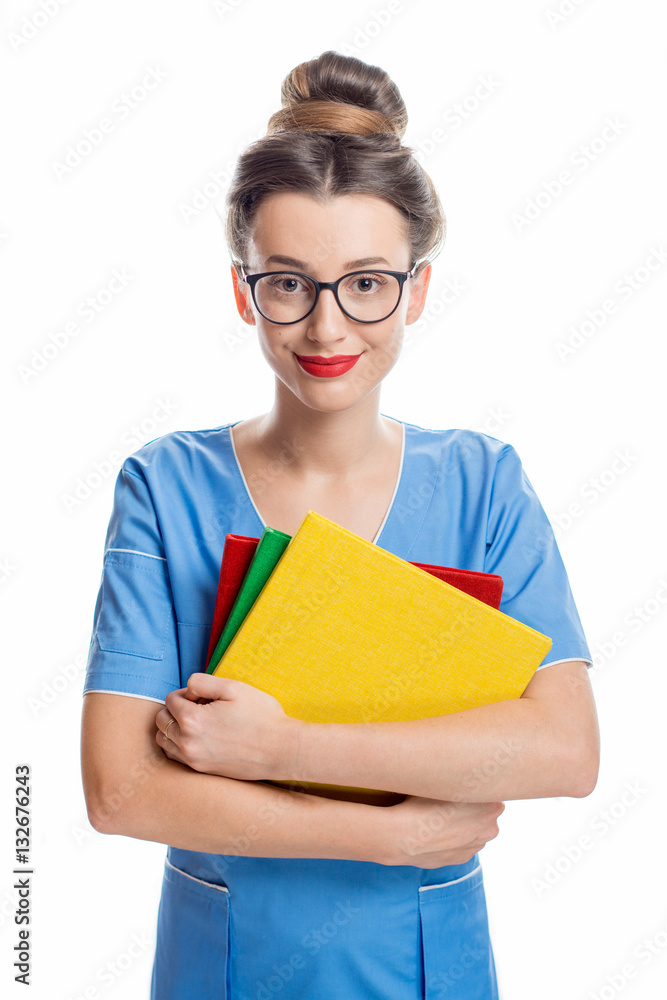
[(322, 445)]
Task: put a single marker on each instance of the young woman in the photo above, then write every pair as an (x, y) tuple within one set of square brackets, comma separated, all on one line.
[(332, 225)]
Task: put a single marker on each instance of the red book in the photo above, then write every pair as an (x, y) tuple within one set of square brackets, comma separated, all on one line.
[(239, 550), (486, 587), (236, 558)]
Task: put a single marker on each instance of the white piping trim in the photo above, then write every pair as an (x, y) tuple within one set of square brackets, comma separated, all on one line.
[(569, 659), (423, 888), (125, 694), (220, 888), (391, 502), (393, 496), (238, 465), (137, 553)]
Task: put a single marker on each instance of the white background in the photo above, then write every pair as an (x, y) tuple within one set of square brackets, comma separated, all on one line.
[(488, 360)]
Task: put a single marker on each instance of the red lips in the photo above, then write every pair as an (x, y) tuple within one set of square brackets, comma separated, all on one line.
[(331, 367)]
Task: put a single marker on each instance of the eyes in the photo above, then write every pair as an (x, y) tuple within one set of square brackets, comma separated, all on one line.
[(357, 284)]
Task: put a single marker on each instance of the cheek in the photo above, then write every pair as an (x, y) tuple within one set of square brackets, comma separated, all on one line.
[(270, 341)]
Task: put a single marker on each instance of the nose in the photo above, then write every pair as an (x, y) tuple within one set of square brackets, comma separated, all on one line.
[(327, 322)]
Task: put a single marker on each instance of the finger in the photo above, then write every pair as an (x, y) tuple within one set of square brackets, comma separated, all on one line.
[(176, 701), (170, 731), (168, 747), (203, 685), (163, 717), (168, 741)]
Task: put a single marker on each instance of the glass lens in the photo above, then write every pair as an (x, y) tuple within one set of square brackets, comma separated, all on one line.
[(284, 298), (365, 295)]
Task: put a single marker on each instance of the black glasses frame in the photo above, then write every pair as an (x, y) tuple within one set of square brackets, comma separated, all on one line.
[(401, 276)]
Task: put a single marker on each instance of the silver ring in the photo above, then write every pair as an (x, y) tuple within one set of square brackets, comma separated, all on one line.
[(166, 729)]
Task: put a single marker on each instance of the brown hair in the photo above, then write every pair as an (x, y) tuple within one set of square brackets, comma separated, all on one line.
[(339, 132)]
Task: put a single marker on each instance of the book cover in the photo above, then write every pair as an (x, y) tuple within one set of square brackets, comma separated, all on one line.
[(344, 631), (238, 555)]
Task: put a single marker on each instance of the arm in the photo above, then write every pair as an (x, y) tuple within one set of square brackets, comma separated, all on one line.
[(132, 788), (545, 743)]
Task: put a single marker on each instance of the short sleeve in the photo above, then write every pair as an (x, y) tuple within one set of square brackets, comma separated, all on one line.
[(134, 645), (521, 547)]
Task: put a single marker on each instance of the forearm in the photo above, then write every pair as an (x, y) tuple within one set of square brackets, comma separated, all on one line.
[(505, 750), (167, 802)]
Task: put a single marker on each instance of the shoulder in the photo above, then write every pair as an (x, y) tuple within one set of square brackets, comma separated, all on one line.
[(459, 444), (177, 452)]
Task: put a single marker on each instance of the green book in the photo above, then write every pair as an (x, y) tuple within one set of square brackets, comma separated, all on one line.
[(271, 546)]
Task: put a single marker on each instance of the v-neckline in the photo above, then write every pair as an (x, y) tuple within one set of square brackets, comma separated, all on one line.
[(392, 502)]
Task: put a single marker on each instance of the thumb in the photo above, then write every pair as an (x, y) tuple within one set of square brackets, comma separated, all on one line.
[(203, 685)]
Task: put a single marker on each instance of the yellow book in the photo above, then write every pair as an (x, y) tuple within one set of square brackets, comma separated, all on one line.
[(345, 631)]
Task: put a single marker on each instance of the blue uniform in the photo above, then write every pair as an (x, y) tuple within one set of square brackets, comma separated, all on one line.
[(244, 928)]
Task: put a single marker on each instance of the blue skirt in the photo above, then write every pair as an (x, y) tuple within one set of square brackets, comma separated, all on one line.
[(239, 928)]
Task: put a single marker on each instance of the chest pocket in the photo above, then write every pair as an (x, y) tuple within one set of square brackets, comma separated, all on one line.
[(458, 957), (136, 604)]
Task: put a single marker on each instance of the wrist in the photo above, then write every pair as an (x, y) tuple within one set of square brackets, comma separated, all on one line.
[(354, 831), (290, 753)]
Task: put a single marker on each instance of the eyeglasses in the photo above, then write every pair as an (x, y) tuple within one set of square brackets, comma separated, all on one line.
[(289, 296)]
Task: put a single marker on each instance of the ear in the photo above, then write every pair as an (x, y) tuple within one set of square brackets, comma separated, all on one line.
[(418, 292), (243, 299)]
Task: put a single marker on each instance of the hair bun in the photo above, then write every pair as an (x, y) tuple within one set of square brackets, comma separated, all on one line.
[(340, 95)]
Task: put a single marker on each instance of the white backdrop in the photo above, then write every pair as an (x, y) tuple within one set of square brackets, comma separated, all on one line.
[(542, 125)]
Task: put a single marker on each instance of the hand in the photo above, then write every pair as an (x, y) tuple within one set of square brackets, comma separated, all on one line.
[(230, 728), (430, 833)]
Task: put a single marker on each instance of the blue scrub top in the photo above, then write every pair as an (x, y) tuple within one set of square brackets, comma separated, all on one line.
[(236, 926)]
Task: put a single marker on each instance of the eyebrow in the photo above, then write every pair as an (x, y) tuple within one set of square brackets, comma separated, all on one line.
[(351, 265)]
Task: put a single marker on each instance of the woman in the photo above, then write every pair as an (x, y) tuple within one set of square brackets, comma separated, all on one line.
[(268, 891)]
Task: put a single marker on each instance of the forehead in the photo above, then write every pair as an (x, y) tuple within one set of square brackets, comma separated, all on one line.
[(329, 232)]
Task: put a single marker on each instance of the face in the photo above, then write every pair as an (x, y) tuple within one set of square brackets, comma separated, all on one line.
[(327, 240)]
